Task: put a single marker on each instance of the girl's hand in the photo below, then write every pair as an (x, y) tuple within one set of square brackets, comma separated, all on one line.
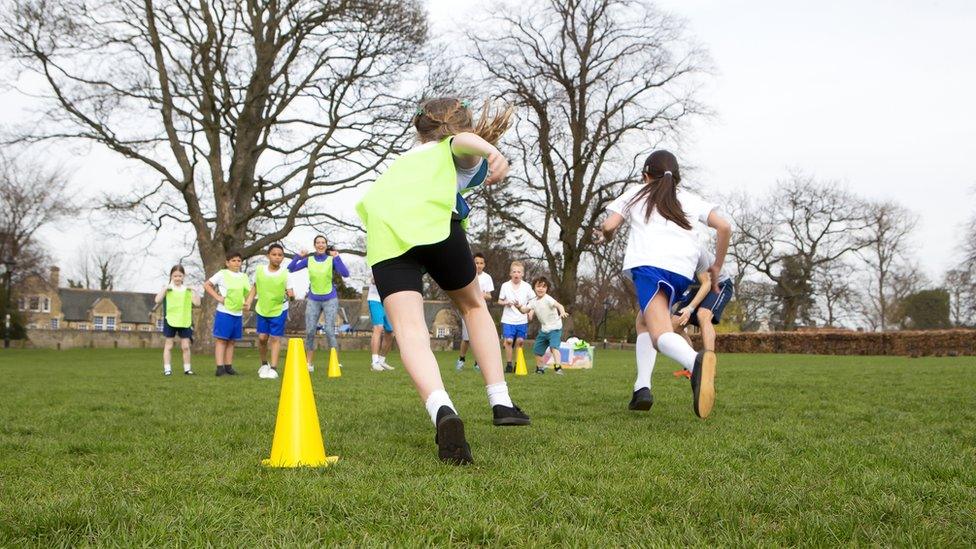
[(685, 315), (303, 252), (497, 168), (598, 236), (713, 272)]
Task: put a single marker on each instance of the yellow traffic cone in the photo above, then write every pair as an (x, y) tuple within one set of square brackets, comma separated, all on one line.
[(297, 438), (520, 369), (334, 369)]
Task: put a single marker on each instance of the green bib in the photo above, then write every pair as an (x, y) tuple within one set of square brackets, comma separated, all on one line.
[(320, 275), (179, 308), (272, 288), (410, 204), (237, 290)]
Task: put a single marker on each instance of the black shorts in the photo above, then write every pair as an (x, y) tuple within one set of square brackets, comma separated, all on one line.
[(182, 333), (448, 262)]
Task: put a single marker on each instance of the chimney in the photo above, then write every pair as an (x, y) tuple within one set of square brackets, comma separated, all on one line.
[(55, 277)]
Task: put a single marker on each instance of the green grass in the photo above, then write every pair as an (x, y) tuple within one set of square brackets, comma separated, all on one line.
[(97, 447)]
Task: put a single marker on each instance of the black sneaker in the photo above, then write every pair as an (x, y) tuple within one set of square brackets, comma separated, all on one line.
[(503, 415), (231, 371), (221, 371), (539, 370), (451, 445), (703, 384), (642, 400), (188, 373), (508, 368)]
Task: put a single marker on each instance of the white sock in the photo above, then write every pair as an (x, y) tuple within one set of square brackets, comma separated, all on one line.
[(498, 394), (646, 356), (376, 358), (167, 368), (382, 358), (434, 402), (186, 368), (675, 346)]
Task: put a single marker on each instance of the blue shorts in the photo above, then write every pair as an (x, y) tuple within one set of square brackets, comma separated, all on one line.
[(546, 340), (378, 316), (272, 325), (650, 280), (714, 302), (182, 333), (227, 326), (515, 331)]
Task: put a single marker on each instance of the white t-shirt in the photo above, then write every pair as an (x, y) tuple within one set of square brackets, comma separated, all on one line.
[(705, 260), (547, 313), (659, 242), (218, 282), (281, 269), (373, 294), (486, 283), (522, 294)]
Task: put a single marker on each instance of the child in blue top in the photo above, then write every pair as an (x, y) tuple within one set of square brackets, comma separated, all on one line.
[(661, 256)]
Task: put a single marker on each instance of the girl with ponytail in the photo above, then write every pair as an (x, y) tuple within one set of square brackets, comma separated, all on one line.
[(414, 215), (661, 257)]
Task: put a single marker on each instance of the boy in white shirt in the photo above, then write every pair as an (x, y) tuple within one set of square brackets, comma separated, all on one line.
[(229, 288), (550, 314), (515, 324), (487, 286)]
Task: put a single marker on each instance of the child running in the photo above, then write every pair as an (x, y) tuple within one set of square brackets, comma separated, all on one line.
[(550, 314), (322, 298), (515, 324), (661, 255), (702, 307), (178, 302), (382, 339), (273, 291), (413, 216), (487, 286), (229, 288)]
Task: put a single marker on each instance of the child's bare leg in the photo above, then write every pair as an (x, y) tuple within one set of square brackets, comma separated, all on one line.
[(387, 343), (406, 312), (187, 353), (508, 347), (275, 350), (229, 352), (376, 339), (707, 329), (481, 332), (263, 347), (168, 351), (219, 348)]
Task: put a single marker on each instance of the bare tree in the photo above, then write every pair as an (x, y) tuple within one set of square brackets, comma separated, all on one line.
[(99, 268), (961, 285), (801, 227), (886, 239), (599, 81), (31, 196), (836, 296), (244, 113)]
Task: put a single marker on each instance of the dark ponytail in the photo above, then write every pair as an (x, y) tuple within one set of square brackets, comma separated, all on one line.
[(661, 192)]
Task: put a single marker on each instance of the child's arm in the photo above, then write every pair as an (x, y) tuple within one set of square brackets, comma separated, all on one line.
[(290, 292), (561, 309), (162, 294), (706, 286), (250, 297), (524, 309), (723, 230), (605, 232), (194, 297), (212, 292), (468, 149)]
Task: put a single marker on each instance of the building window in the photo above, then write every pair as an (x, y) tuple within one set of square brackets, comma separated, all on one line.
[(47, 305), (126, 327), (442, 331), (21, 304), (99, 323), (159, 324), (82, 325), (110, 323), (55, 323), (35, 303)]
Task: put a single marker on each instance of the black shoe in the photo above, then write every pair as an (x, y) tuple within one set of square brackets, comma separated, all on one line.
[(188, 373), (539, 370), (503, 415), (642, 399), (703, 384), (231, 371), (451, 446), (221, 371), (508, 368)]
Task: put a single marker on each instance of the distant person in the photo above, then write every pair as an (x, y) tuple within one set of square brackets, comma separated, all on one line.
[(322, 299), (515, 324), (229, 288), (661, 256), (381, 340), (273, 292), (702, 307), (487, 286), (178, 301), (414, 215), (550, 314)]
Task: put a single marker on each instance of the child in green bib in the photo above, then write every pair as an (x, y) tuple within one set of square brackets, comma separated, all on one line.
[(413, 214), (273, 292), (229, 288), (178, 301)]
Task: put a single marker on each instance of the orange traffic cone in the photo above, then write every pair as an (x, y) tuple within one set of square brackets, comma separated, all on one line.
[(297, 437), (334, 369), (520, 369)]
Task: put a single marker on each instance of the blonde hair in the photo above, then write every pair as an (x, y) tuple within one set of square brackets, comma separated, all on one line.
[(517, 263), (442, 117)]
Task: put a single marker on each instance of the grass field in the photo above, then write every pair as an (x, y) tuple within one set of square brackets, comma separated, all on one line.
[(97, 447)]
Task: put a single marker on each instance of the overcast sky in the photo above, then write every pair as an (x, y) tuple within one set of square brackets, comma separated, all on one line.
[(876, 95)]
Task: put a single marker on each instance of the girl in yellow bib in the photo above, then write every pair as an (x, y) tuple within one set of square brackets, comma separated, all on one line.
[(178, 301), (413, 216)]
